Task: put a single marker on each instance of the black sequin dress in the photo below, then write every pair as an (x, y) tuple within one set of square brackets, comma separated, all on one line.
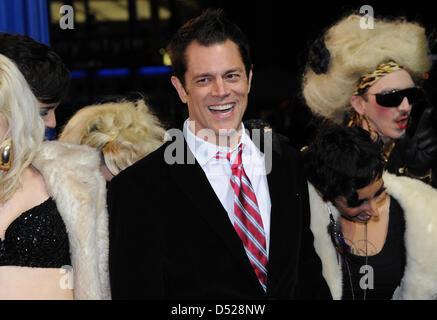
[(37, 238)]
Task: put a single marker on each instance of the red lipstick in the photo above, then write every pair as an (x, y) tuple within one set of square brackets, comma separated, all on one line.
[(402, 124)]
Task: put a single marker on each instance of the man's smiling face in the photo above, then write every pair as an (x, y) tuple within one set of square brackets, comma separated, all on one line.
[(216, 86)]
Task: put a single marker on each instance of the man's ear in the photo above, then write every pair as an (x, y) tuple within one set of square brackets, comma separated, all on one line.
[(179, 88), (320, 194), (250, 78), (357, 102)]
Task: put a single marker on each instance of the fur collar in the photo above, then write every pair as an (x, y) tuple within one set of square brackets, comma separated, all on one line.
[(419, 202), (73, 179), (331, 269)]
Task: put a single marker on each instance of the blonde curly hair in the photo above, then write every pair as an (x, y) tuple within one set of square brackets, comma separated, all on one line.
[(19, 117), (123, 131), (355, 52)]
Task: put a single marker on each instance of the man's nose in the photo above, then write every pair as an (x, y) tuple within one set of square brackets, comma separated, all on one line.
[(220, 88), (405, 105)]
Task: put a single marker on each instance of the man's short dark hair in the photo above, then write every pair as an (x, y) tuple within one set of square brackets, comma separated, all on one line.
[(342, 160), (43, 69), (210, 28)]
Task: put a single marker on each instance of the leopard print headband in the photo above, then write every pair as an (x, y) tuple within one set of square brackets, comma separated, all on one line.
[(369, 79)]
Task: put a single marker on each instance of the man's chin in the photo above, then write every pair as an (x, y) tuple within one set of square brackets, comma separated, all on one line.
[(228, 136), (227, 132), (399, 135)]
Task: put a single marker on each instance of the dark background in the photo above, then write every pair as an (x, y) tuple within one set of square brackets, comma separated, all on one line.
[(280, 33)]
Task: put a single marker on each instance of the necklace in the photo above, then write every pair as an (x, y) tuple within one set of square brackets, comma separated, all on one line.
[(346, 263), (341, 246), (365, 241), (387, 148)]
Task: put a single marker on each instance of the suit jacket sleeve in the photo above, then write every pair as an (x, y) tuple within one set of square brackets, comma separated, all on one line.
[(311, 283), (135, 265)]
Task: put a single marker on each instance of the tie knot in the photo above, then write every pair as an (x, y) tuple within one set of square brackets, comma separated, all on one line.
[(238, 158)]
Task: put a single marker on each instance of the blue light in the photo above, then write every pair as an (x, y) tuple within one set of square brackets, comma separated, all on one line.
[(78, 74), (123, 72), (154, 70), (113, 72)]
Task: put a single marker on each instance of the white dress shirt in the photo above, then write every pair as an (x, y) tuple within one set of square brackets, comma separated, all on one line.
[(218, 172)]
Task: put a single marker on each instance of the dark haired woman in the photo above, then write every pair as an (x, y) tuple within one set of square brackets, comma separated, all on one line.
[(374, 232)]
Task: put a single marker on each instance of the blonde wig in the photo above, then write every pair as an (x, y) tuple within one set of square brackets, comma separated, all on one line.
[(123, 131), (354, 52), (19, 113)]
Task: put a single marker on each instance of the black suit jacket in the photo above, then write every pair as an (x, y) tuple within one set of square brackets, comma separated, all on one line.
[(170, 237)]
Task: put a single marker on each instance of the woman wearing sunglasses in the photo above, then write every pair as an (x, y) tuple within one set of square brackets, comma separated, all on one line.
[(374, 232), (368, 77)]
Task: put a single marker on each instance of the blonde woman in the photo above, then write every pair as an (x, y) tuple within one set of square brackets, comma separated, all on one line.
[(123, 132), (53, 220), (369, 78)]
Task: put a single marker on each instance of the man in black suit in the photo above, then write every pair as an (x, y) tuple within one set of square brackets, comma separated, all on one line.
[(174, 215)]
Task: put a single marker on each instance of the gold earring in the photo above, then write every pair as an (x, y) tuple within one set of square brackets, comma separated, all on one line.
[(369, 127), (355, 120), (6, 155)]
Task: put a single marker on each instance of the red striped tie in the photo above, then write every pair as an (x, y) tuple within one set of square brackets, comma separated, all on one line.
[(247, 218)]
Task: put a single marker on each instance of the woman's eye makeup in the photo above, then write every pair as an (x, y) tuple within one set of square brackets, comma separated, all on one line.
[(379, 196), (45, 110)]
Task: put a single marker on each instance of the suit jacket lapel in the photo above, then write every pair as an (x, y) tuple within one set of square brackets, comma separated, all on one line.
[(194, 183), (280, 245), (282, 226)]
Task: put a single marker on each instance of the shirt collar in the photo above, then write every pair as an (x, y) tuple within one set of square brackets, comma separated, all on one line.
[(203, 150)]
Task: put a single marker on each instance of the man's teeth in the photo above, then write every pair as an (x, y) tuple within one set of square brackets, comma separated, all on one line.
[(221, 108)]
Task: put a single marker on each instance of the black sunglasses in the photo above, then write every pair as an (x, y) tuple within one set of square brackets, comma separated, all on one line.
[(394, 98)]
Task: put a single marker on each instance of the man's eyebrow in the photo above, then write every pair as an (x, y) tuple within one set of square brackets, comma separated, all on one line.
[(387, 90), (208, 74), (236, 69), (393, 90), (202, 75)]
